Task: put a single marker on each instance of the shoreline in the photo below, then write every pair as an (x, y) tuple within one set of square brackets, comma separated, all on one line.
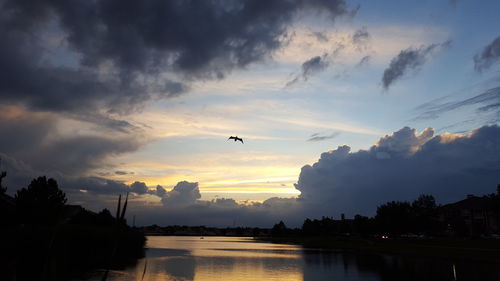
[(475, 250)]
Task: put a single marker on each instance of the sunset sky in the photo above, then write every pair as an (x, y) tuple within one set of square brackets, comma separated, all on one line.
[(396, 98)]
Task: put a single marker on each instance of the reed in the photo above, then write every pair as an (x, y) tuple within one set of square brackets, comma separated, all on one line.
[(120, 216), (145, 267)]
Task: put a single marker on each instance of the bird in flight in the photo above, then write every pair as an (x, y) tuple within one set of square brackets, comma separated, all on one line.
[(235, 139)]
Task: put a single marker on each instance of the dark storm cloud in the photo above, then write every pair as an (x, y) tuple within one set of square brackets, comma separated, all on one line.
[(221, 212), (320, 36), (85, 188), (400, 167), (34, 140), (364, 61), (489, 56), (361, 36), (310, 67), (116, 52), (160, 191), (23, 132), (407, 60), (320, 137), (19, 174), (486, 102), (489, 107), (79, 154), (139, 188), (104, 121), (28, 79), (94, 186), (314, 65)]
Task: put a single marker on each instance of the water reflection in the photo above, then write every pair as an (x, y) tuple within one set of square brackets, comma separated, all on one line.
[(223, 258), (336, 265), (163, 264)]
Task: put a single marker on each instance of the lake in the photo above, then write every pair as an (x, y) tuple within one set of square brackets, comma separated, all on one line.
[(242, 258)]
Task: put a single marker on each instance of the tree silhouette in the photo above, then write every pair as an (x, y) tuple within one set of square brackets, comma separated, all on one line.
[(424, 202), (394, 217), (3, 174), (279, 229), (3, 189), (424, 211), (40, 203)]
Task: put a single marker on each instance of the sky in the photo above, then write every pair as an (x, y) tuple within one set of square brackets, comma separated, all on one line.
[(342, 105)]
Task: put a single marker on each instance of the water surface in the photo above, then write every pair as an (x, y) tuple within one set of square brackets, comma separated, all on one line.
[(239, 258)]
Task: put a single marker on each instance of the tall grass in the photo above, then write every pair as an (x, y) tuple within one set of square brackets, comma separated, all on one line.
[(145, 267), (120, 216)]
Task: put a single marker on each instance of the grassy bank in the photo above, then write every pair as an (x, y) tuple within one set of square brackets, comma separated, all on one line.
[(480, 250), (65, 252)]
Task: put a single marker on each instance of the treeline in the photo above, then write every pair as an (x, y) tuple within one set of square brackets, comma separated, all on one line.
[(184, 230), (419, 218), (43, 238)]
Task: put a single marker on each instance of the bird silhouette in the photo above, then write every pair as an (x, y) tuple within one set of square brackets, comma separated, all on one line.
[(235, 139)]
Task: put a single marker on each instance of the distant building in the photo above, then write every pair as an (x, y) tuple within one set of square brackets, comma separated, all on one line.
[(473, 216)]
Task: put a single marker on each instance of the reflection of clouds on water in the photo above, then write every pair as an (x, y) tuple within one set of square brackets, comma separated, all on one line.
[(178, 268), (336, 265), (280, 253), (331, 265), (231, 258), (247, 268), (170, 264), (216, 267), (224, 258), (157, 253)]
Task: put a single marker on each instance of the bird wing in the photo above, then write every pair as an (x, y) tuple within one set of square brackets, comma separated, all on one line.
[(231, 138), (240, 139)]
